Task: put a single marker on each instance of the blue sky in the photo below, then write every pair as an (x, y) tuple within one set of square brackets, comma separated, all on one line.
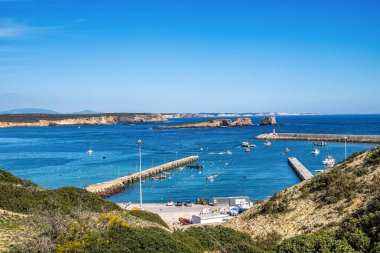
[(190, 56)]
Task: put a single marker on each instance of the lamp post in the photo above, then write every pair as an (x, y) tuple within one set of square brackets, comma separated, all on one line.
[(345, 147), (140, 142)]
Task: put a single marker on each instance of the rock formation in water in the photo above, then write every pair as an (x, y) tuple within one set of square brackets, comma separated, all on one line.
[(268, 121), (214, 123), (25, 120)]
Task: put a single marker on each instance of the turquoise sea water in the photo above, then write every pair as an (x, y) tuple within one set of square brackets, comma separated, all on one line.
[(56, 156)]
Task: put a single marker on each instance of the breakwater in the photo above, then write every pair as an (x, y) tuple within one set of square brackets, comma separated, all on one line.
[(321, 137), (108, 188), (300, 170)]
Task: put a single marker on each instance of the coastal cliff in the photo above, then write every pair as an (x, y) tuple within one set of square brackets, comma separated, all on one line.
[(31, 120), (215, 123)]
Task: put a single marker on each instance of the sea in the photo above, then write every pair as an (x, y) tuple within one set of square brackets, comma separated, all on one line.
[(55, 157)]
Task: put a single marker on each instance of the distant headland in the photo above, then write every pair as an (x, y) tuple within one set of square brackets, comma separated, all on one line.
[(30, 120)]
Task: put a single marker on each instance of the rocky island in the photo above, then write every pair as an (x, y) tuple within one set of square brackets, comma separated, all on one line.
[(30, 120), (268, 121), (214, 123)]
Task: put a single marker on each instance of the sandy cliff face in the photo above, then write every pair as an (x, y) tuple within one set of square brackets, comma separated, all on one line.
[(89, 120)]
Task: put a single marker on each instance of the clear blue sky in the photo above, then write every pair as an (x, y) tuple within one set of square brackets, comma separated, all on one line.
[(190, 56)]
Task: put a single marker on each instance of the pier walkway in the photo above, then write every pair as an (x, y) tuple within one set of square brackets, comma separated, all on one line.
[(321, 137), (301, 171), (108, 188)]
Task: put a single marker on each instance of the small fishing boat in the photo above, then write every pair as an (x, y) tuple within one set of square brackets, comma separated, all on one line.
[(267, 143), (212, 177), (228, 152), (246, 144), (184, 221), (320, 143), (247, 150), (329, 161), (90, 151), (287, 150), (159, 177), (318, 171), (315, 151), (195, 166)]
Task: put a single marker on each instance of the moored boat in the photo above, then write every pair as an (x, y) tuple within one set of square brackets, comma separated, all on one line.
[(315, 151), (212, 177), (267, 143), (329, 161), (320, 143)]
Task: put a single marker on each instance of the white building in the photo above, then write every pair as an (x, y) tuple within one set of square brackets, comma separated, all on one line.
[(209, 218)]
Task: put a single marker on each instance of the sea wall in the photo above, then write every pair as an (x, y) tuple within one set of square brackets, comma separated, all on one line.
[(321, 137), (109, 188)]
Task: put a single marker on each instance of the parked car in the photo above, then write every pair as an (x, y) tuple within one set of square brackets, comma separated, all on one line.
[(188, 203), (170, 203), (179, 203)]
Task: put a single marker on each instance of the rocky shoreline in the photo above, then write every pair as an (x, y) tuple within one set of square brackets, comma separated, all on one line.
[(214, 123), (33, 120)]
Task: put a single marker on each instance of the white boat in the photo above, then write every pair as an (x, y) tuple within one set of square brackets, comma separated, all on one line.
[(212, 177), (267, 143), (315, 151), (287, 150), (246, 144), (90, 151), (228, 152), (329, 161)]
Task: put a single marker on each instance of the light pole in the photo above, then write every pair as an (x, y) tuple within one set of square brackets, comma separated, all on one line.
[(345, 147), (140, 143)]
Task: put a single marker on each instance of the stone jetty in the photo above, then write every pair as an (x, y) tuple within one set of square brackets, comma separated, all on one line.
[(108, 188), (321, 137), (300, 170)]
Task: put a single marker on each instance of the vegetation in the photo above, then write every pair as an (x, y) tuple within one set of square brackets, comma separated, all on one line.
[(67, 200), (374, 157), (359, 233), (152, 217), (31, 118)]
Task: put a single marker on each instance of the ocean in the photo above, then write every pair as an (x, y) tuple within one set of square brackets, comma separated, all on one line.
[(57, 156)]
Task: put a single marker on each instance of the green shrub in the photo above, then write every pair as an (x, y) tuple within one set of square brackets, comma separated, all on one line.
[(320, 242), (67, 200), (218, 238), (7, 177), (374, 156), (148, 216)]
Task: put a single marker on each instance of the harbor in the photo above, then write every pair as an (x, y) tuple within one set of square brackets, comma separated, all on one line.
[(108, 188), (321, 137)]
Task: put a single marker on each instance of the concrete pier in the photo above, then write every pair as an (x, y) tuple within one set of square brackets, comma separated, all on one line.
[(300, 170), (321, 137), (108, 188)]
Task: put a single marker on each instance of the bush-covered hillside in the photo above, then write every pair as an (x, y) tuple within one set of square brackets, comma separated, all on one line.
[(69, 219), (322, 202)]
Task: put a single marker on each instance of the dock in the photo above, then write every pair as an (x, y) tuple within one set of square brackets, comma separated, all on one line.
[(300, 170), (321, 137), (109, 188)]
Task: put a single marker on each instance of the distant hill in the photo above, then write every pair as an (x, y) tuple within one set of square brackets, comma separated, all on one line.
[(30, 111), (86, 112)]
